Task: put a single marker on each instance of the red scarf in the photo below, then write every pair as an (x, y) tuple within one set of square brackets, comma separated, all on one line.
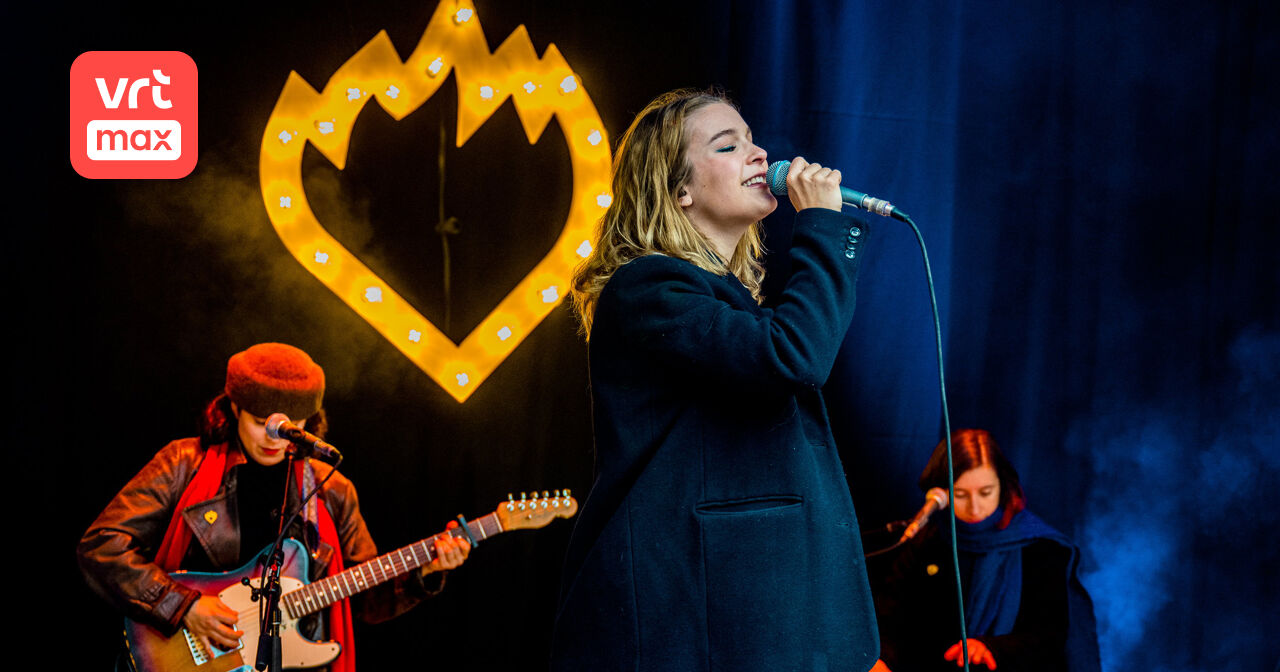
[(204, 486)]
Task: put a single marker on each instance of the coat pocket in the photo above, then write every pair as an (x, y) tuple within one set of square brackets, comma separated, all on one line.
[(756, 564), (758, 504)]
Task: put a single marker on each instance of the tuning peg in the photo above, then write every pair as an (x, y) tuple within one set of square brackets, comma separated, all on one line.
[(511, 505), (523, 497)]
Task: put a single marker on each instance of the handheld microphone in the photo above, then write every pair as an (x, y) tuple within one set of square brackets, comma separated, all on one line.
[(777, 179), (279, 427), (937, 499)]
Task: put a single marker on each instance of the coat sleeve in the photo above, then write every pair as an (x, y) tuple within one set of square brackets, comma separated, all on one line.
[(116, 553), (386, 600), (674, 312)]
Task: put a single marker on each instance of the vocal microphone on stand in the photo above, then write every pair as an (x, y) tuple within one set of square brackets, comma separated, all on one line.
[(936, 499), (279, 427)]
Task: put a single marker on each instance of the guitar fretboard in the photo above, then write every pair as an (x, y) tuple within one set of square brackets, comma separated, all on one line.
[(316, 596)]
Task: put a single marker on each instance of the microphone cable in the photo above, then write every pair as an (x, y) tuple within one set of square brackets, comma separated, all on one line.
[(889, 211), (946, 426)]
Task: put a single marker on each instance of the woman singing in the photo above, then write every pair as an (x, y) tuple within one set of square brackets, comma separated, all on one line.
[(1024, 606), (719, 532)]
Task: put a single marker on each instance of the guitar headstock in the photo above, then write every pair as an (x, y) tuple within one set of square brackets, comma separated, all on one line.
[(532, 512)]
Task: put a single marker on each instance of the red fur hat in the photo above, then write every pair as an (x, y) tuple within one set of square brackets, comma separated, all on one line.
[(275, 378)]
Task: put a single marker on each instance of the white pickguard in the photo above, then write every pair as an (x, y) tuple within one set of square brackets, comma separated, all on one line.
[(295, 650)]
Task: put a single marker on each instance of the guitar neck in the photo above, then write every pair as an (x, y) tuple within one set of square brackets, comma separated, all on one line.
[(316, 596)]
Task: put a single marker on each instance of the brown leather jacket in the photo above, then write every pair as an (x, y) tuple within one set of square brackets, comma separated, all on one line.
[(116, 553)]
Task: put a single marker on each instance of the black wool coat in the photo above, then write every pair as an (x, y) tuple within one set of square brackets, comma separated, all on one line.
[(719, 533)]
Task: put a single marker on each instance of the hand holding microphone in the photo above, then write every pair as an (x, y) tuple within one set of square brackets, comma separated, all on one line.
[(808, 185), (779, 180)]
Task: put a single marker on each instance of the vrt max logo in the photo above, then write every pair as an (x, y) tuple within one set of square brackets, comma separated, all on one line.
[(133, 114)]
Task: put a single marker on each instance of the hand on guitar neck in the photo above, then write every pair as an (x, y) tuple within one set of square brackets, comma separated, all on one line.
[(450, 551), (213, 622)]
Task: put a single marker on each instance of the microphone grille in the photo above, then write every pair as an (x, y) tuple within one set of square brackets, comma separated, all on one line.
[(938, 495), (777, 177), (273, 424)]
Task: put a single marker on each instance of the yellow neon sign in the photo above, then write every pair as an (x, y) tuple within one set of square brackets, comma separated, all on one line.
[(540, 88)]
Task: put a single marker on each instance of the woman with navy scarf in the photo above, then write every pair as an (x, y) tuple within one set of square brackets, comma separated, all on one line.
[(1024, 605)]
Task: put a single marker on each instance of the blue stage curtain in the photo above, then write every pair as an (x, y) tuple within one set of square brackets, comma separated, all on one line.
[(1096, 182)]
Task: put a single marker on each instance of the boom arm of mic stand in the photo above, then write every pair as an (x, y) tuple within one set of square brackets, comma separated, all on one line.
[(890, 528)]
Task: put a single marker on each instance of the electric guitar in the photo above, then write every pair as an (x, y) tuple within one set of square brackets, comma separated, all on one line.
[(151, 651)]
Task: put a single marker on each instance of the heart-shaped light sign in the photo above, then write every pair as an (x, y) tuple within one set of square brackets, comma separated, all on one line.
[(541, 88)]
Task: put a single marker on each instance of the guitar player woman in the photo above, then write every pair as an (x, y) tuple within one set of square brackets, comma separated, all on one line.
[(209, 504)]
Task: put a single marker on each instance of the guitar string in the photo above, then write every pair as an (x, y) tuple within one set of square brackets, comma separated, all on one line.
[(399, 567), (251, 628), (395, 558)]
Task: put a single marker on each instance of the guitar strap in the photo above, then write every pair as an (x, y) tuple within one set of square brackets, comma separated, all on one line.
[(310, 517), (340, 623)]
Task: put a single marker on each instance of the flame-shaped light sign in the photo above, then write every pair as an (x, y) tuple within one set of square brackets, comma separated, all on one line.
[(541, 88)]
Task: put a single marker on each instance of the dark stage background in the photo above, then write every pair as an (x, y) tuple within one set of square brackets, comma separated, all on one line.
[(1096, 181)]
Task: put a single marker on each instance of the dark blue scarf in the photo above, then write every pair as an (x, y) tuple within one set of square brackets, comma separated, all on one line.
[(994, 590)]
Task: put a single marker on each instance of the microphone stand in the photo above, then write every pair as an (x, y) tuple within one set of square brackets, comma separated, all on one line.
[(269, 618), (891, 528), (268, 655)]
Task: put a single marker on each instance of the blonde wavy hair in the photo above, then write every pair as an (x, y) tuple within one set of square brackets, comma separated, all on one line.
[(650, 168)]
